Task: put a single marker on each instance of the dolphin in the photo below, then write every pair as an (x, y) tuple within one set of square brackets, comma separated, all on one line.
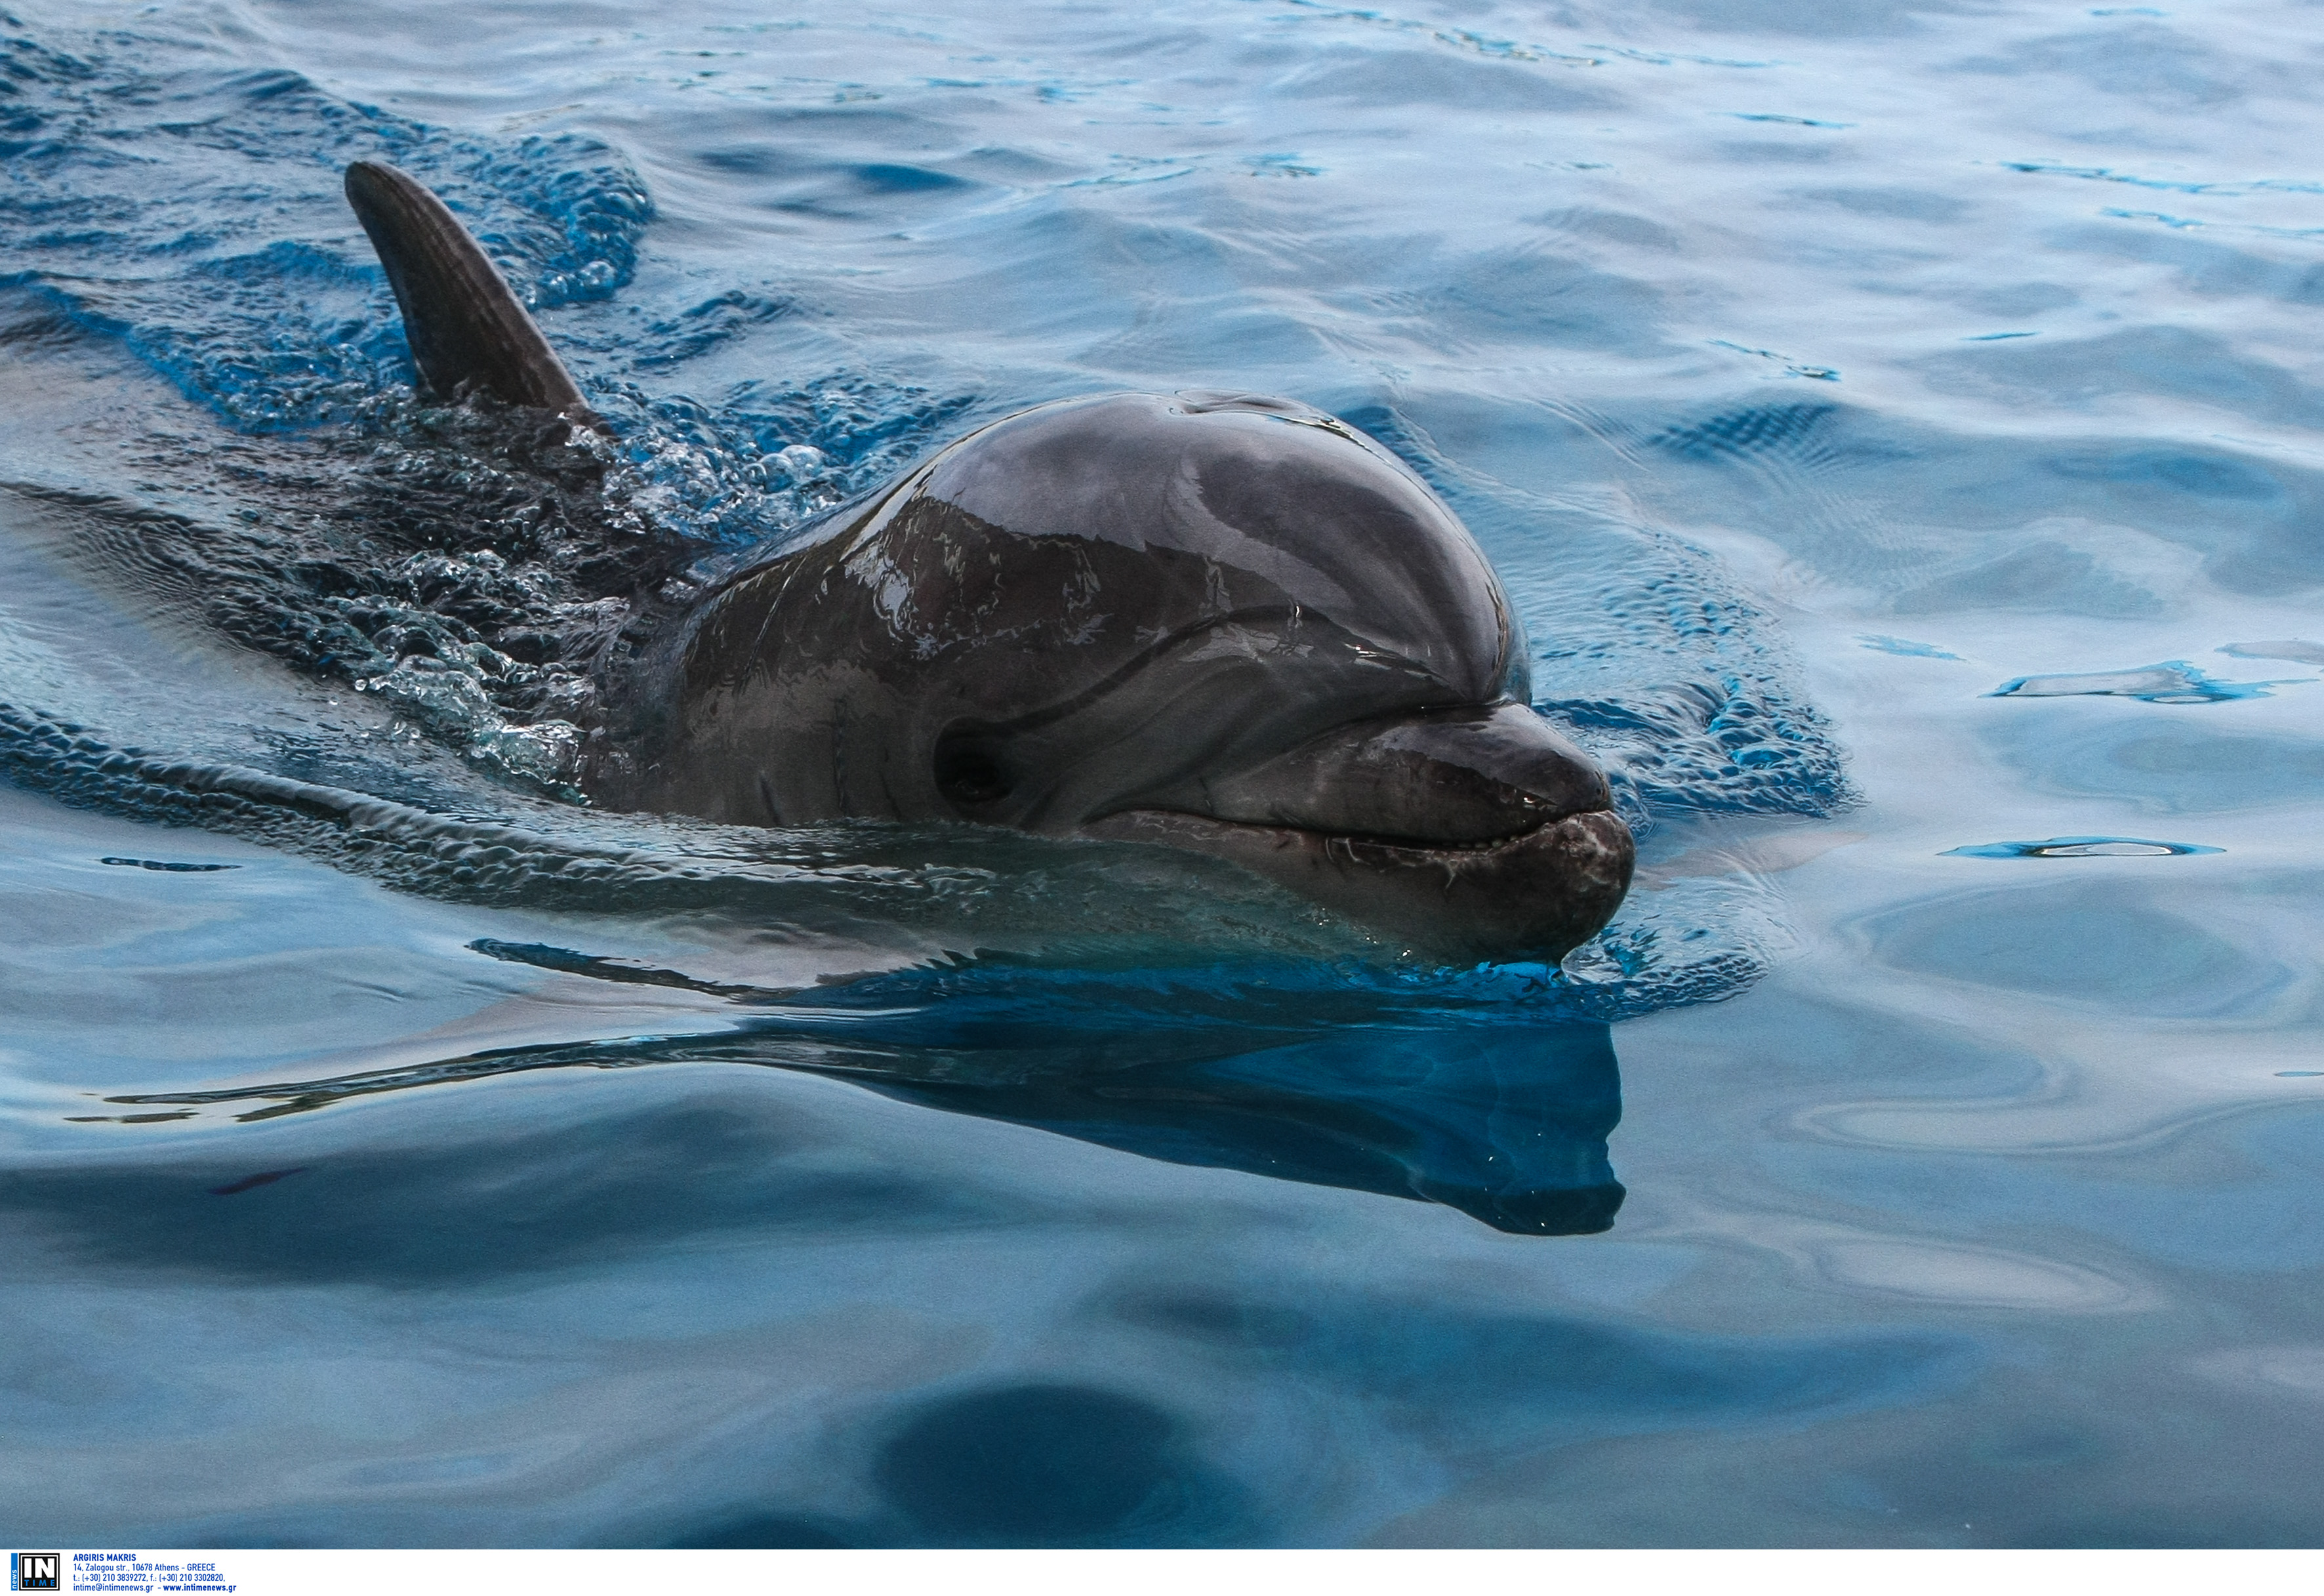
[(1214, 621)]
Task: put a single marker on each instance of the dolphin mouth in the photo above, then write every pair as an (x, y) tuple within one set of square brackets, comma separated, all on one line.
[(1539, 892), (1349, 844), (1472, 832)]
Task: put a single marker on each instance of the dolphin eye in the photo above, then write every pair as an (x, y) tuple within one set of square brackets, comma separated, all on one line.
[(968, 768)]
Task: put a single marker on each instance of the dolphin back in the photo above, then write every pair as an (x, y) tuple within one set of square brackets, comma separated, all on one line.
[(469, 332)]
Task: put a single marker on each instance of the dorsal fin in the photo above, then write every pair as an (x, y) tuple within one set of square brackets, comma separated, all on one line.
[(468, 331)]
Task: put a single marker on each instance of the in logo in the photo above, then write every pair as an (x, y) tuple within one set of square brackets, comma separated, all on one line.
[(34, 1571)]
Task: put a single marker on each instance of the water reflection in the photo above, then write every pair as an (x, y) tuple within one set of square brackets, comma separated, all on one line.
[(1026, 1465), (1508, 1124), (2174, 681), (2080, 847), (2297, 650)]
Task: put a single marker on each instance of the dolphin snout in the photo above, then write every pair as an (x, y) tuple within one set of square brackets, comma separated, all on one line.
[(1440, 777), (1473, 832)]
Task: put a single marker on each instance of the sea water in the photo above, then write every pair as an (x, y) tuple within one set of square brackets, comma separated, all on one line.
[(1898, 427)]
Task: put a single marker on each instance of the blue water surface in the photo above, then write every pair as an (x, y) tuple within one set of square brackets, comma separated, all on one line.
[(398, 1152)]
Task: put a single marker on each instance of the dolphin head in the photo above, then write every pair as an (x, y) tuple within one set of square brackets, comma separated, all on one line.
[(1214, 621)]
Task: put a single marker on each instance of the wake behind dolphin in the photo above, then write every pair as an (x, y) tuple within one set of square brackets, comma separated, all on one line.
[(1212, 620)]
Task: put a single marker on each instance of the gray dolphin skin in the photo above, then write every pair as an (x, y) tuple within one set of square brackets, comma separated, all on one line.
[(467, 331), (1211, 621)]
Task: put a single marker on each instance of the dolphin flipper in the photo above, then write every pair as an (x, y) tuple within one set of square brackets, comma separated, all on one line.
[(467, 330)]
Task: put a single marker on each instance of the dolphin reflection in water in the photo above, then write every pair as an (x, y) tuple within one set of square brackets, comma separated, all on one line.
[(1211, 621), (1507, 1123)]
